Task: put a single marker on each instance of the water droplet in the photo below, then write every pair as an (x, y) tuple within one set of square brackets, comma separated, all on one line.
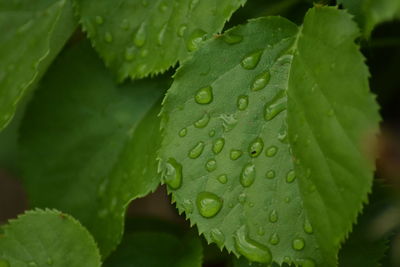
[(32, 264), (223, 178), (248, 175), (99, 20), (218, 145), (195, 39), (211, 165), (250, 248), (231, 38), (163, 7), (129, 54), (273, 216), (208, 204), (274, 239), (188, 206), (261, 230), (270, 174), (287, 199), (125, 24), (307, 227), (4, 263), (145, 3), (306, 263), (49, 261), (204, 95), (211, 133), (102, 213), (183, 132), (161, 35), (235, 154), (298, 244), (218, 237), (108, 37), (193, 4), (283, 136), (140, 36), (251, 61), (271, 151), (172, 175), (102, 187), (291, 176), (260, 81), (272, 110), (144, 52), (242, 102), (256, 147), (196, 151), (181, 30), (242, 198), (228, 121), (203, 121)]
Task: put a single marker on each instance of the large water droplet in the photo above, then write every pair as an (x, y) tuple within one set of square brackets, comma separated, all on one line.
[(4, 263), (108, 37), (218, 237), (248, 175), (211, 165), (291, 176), (204, 95), (308, 227), (218, 145), (242, 102), (161, 35), (196, 151), (271, 151), (274, 239), (195, 39), (256, 147), (172, 175), (272, 110), (260, 81), (273, 216), (208, 204), (223, 178), (203, 121), (298, 244), (231, 38), (270, 174), (99, 20), (235, 154), (228, 122), (140, 36), (182, 132), (250, 248), (251, 61)]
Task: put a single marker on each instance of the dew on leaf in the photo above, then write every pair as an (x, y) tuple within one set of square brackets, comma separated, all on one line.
[(271, 151), (217, 237), (140, 35), (235, 154), (188, 206), (228, 122), (287, 199), (108, 37), (145, 3), (231, 38), (248, 175), (125, 24), (274, 239), (144, 52), (272, 110), (223, 178), (256, 147), (273, 216), (196, 151), (203, 121), (208, 204), (172, 175), (242, 102), (250, 248), (32, 264), (250, 61), (260, 81), (291, 176), (102, 213), (211, 165), (161, 35), (298, 244), (49, 261), (182, 132), (307, 227), (129, 54), (195, 39), (181, 30), (211, 133), (163, 7), (242, 198), (218, 145), (193, 4), (204, 95), (261, 230), (306, 263), (99, 20)]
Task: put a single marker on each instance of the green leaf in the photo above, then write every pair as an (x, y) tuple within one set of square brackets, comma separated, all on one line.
[(47, 238), (369, 13), (32, 36), (157, 249), (277, 118), (89, 145), (137, 38)]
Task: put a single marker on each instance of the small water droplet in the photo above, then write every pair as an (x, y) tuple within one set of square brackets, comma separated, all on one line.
[(211, 165), (218, 145), (193, 4), (287, 199), (256, 147), (195, 39), (283, 136), (270, 174), (188, 206), (203, 121), (125, 24), (308, 227), (242, 198), (32, 264), (272, 110), (274, 239), (196, 151), (144, 52), (260, 81), (273, 216), (183, 132), (129, 54), (218, 237), (306, 263), (172, 175), (235, 154), (140, 35), (211, 133), (204, 95), (271, 151), (261, 230), (291, 176), (251, 61), (231, 38), (99, 20), (108, 37), (248, 175), (163, 7), (102, 213), (145, 3), (208, 204), (223, 178), (181, 30), (161, 35), (242, 102), (250, 248), (4, 263), (228, 122), (298, 244), (49, 261)]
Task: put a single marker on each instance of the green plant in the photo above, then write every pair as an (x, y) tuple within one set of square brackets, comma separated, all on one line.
[(262, 131)]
